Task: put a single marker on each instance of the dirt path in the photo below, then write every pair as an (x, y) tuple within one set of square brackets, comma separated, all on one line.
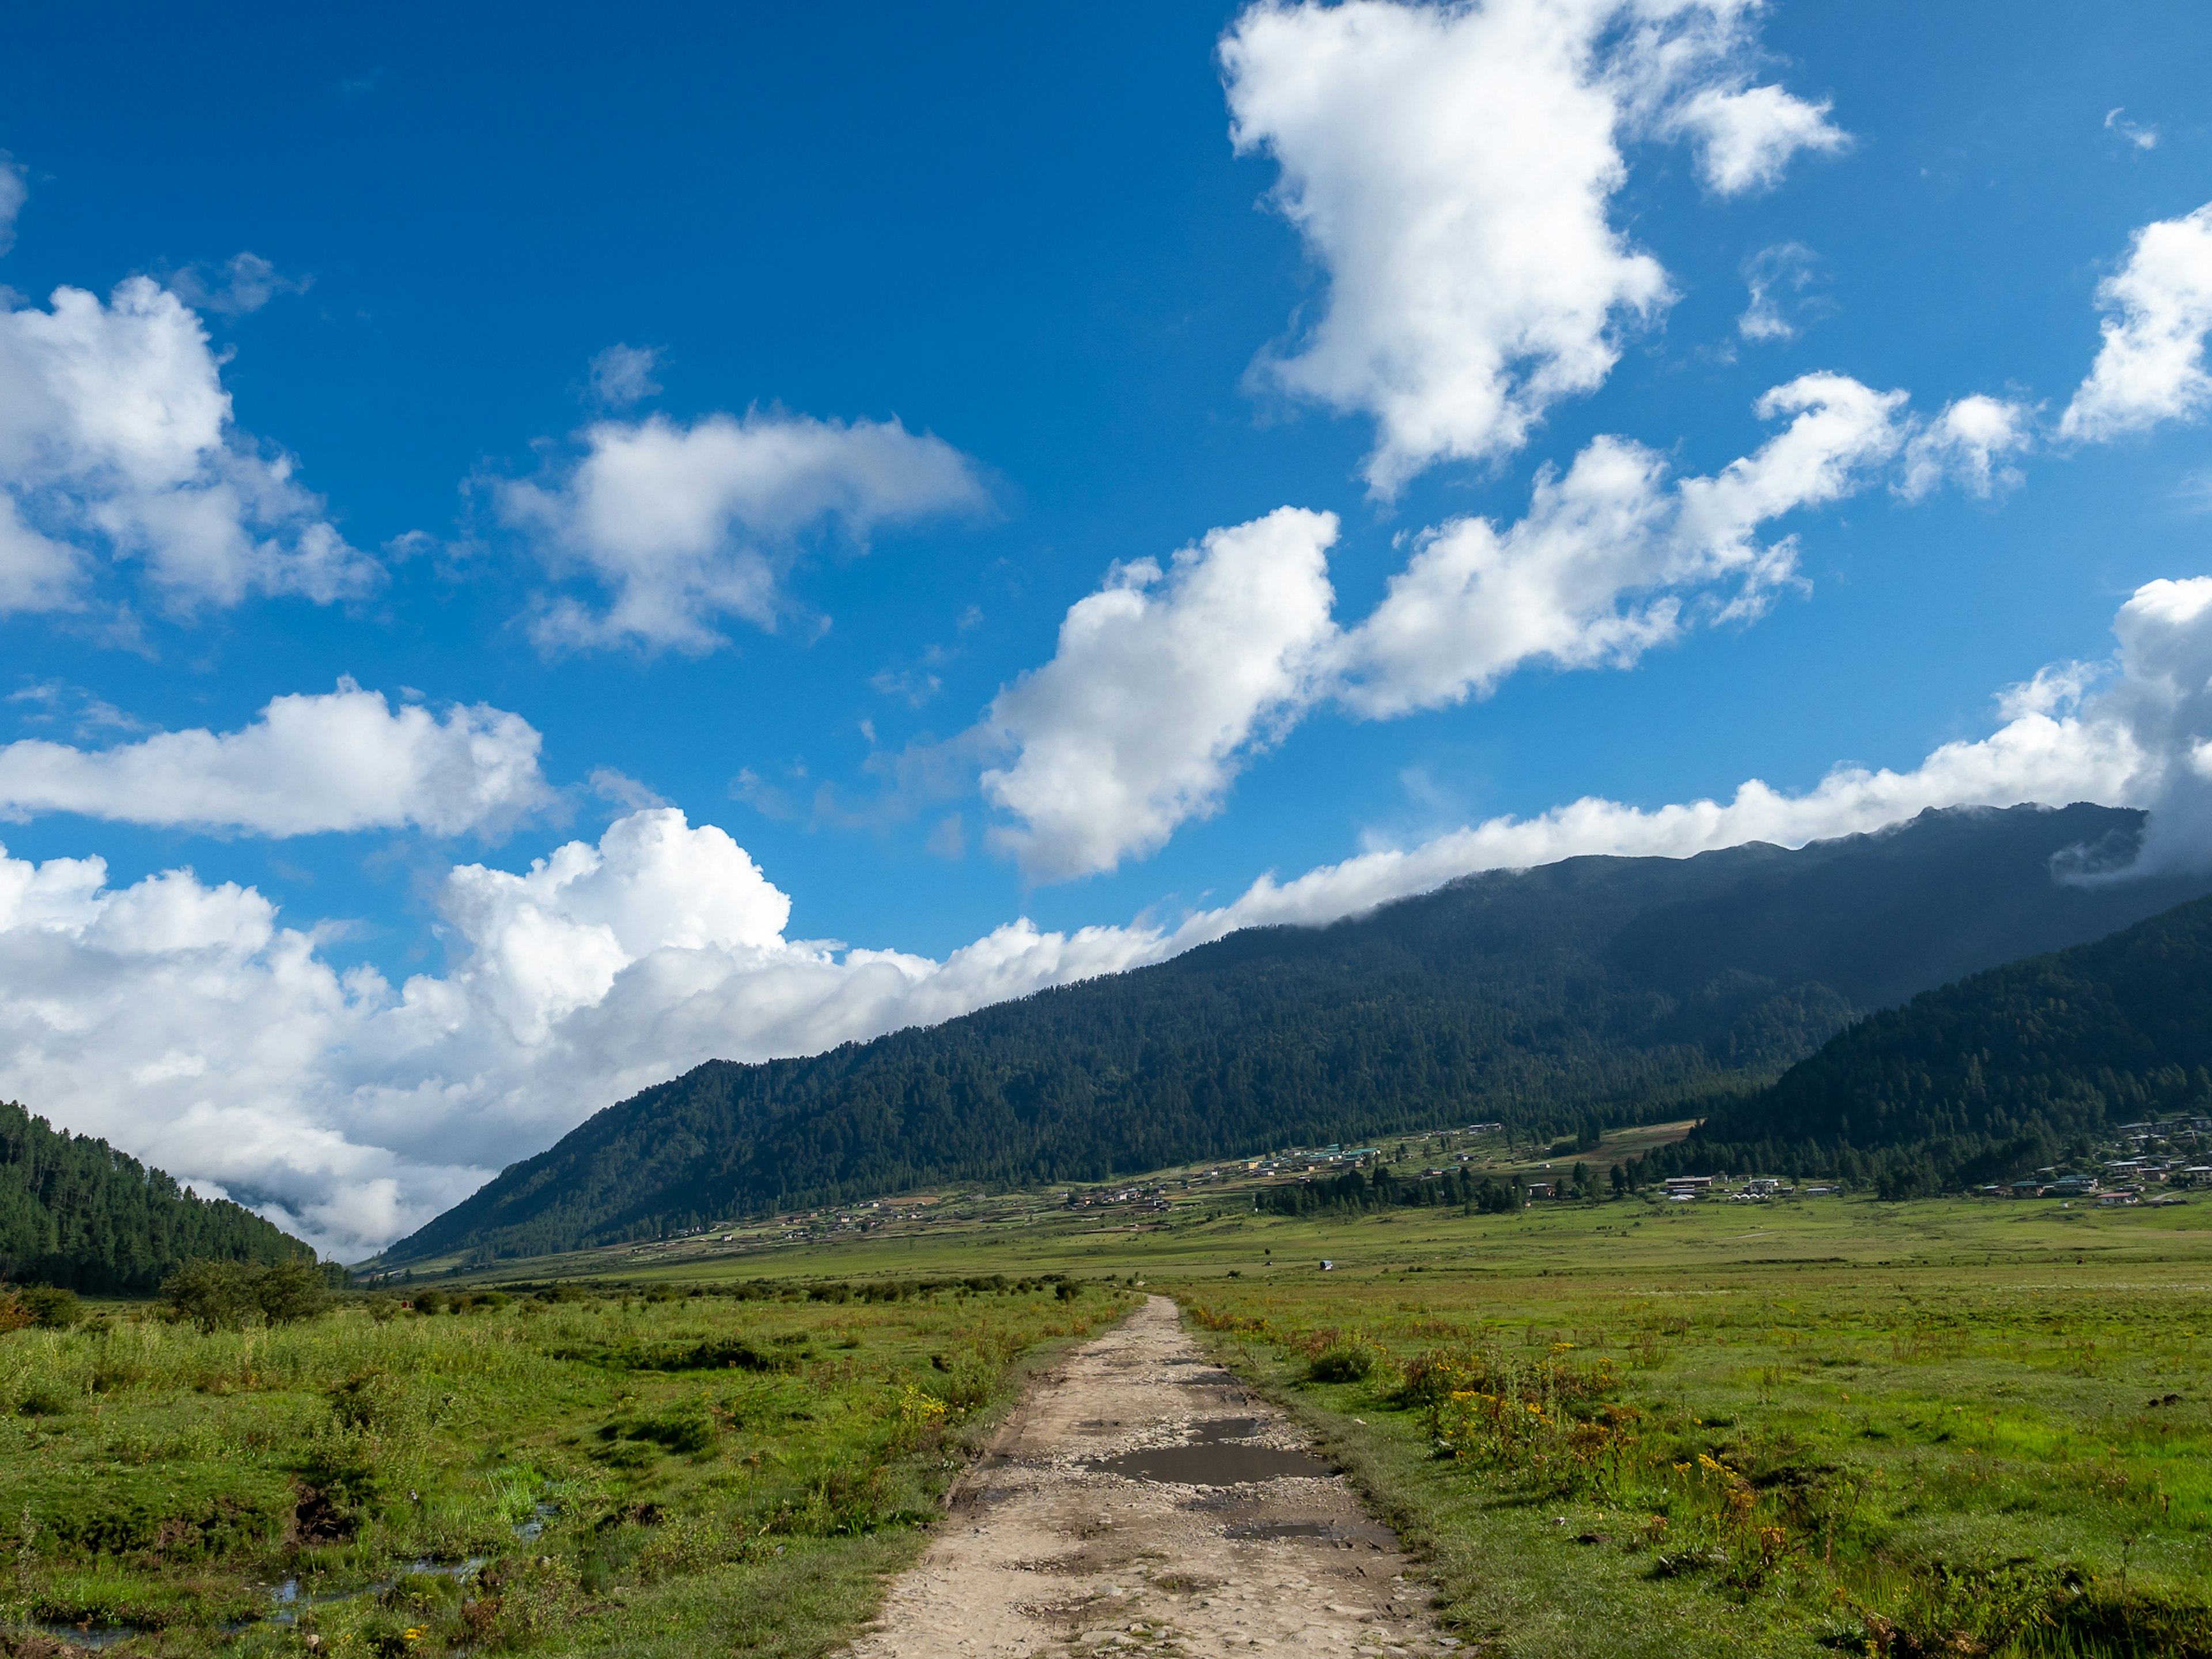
[(1141, 1498)]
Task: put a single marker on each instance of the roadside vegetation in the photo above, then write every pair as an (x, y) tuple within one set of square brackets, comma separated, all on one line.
[(1786, 1455), (255, 1468)]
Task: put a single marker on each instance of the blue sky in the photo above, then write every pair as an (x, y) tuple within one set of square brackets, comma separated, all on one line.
[(1025, 237)]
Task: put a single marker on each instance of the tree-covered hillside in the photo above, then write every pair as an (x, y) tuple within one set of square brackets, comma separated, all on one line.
[(2000, 1074), (1596, 987), (74, 1212)]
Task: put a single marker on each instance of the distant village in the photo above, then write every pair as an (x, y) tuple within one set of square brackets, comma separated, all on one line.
[(2149, 1163)]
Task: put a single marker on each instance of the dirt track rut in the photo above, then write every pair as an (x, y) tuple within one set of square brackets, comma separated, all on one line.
[(1142, 1498)]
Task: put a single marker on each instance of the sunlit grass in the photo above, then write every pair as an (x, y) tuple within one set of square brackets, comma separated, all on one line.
[(620, 1471)]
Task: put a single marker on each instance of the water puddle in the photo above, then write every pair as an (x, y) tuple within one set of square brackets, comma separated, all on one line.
[(1214, 1457), (93, 1636), (290, 1602), (287, 1601), (1288, 1529), (530, 1531)]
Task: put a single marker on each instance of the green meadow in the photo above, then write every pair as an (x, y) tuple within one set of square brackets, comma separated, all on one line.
[(572, 1470), (1928, 1428), (1621, 1427)]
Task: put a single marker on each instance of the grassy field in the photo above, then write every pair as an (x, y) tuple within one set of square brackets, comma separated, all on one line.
[(1949, 1425), (562, 1473), (1789, 1429), (1942, 1427)]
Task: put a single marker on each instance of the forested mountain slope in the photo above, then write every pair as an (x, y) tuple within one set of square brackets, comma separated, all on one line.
[(2000, 1074), (77, 1212), (1614, 987)]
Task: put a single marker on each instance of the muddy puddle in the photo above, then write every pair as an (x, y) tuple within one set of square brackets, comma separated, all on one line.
[(1217, 1454)]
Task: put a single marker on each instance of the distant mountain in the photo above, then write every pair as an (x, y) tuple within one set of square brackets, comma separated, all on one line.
[(1597, 987), (2019, 1068), (74, 1212)]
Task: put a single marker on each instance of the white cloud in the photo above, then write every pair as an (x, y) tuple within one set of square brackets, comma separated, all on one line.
[(1165, 684), (1750, 134), (13, 194), (2158, 308), (180, 1019), (308, 764), (623, 375), (1163, 681), (115, 436), (620, 789), (246, 282), (686, 525), (1476, 602), (2144, 739), (2141, 137), (181, 1022), (1452, 169), (1775, 278), (1968, 444)]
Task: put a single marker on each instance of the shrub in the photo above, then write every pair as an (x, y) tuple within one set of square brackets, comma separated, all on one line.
[(50, 1308), (1351, 1359), (216, 1296), (228, 1295), (289, 1292)]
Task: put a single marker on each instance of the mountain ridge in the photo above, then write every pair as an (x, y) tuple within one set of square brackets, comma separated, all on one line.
[(1612, 987)]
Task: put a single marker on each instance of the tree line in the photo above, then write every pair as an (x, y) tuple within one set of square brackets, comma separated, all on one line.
[(77, 1214)]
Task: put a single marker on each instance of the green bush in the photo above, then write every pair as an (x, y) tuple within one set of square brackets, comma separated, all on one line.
[(50, 1308), (1355, 1359), (228, 1295)]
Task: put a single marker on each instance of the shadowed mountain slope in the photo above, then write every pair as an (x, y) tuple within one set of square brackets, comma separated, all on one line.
[(2021, 1067), (1596, 987)]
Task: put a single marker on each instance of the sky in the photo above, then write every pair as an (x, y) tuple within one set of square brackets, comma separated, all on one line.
[(535, 550)]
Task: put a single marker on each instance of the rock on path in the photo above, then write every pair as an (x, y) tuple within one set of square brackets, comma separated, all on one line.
[(1141, 1499)]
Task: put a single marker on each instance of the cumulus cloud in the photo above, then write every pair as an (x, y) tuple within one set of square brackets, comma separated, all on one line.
[(180, 1020), (685, 525), (1610, 559), (1968, 445), (1748, 136), (1452, 170), (1163, 681), (183, 1022), (309, 764), (623, 375), (2157, 309), (116, 437), (1165, 684)]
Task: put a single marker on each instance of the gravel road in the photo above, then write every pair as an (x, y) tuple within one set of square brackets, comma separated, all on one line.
[(1140, 1498)]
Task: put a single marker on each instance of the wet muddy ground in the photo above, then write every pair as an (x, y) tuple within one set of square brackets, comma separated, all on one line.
[(1141, 1498)]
